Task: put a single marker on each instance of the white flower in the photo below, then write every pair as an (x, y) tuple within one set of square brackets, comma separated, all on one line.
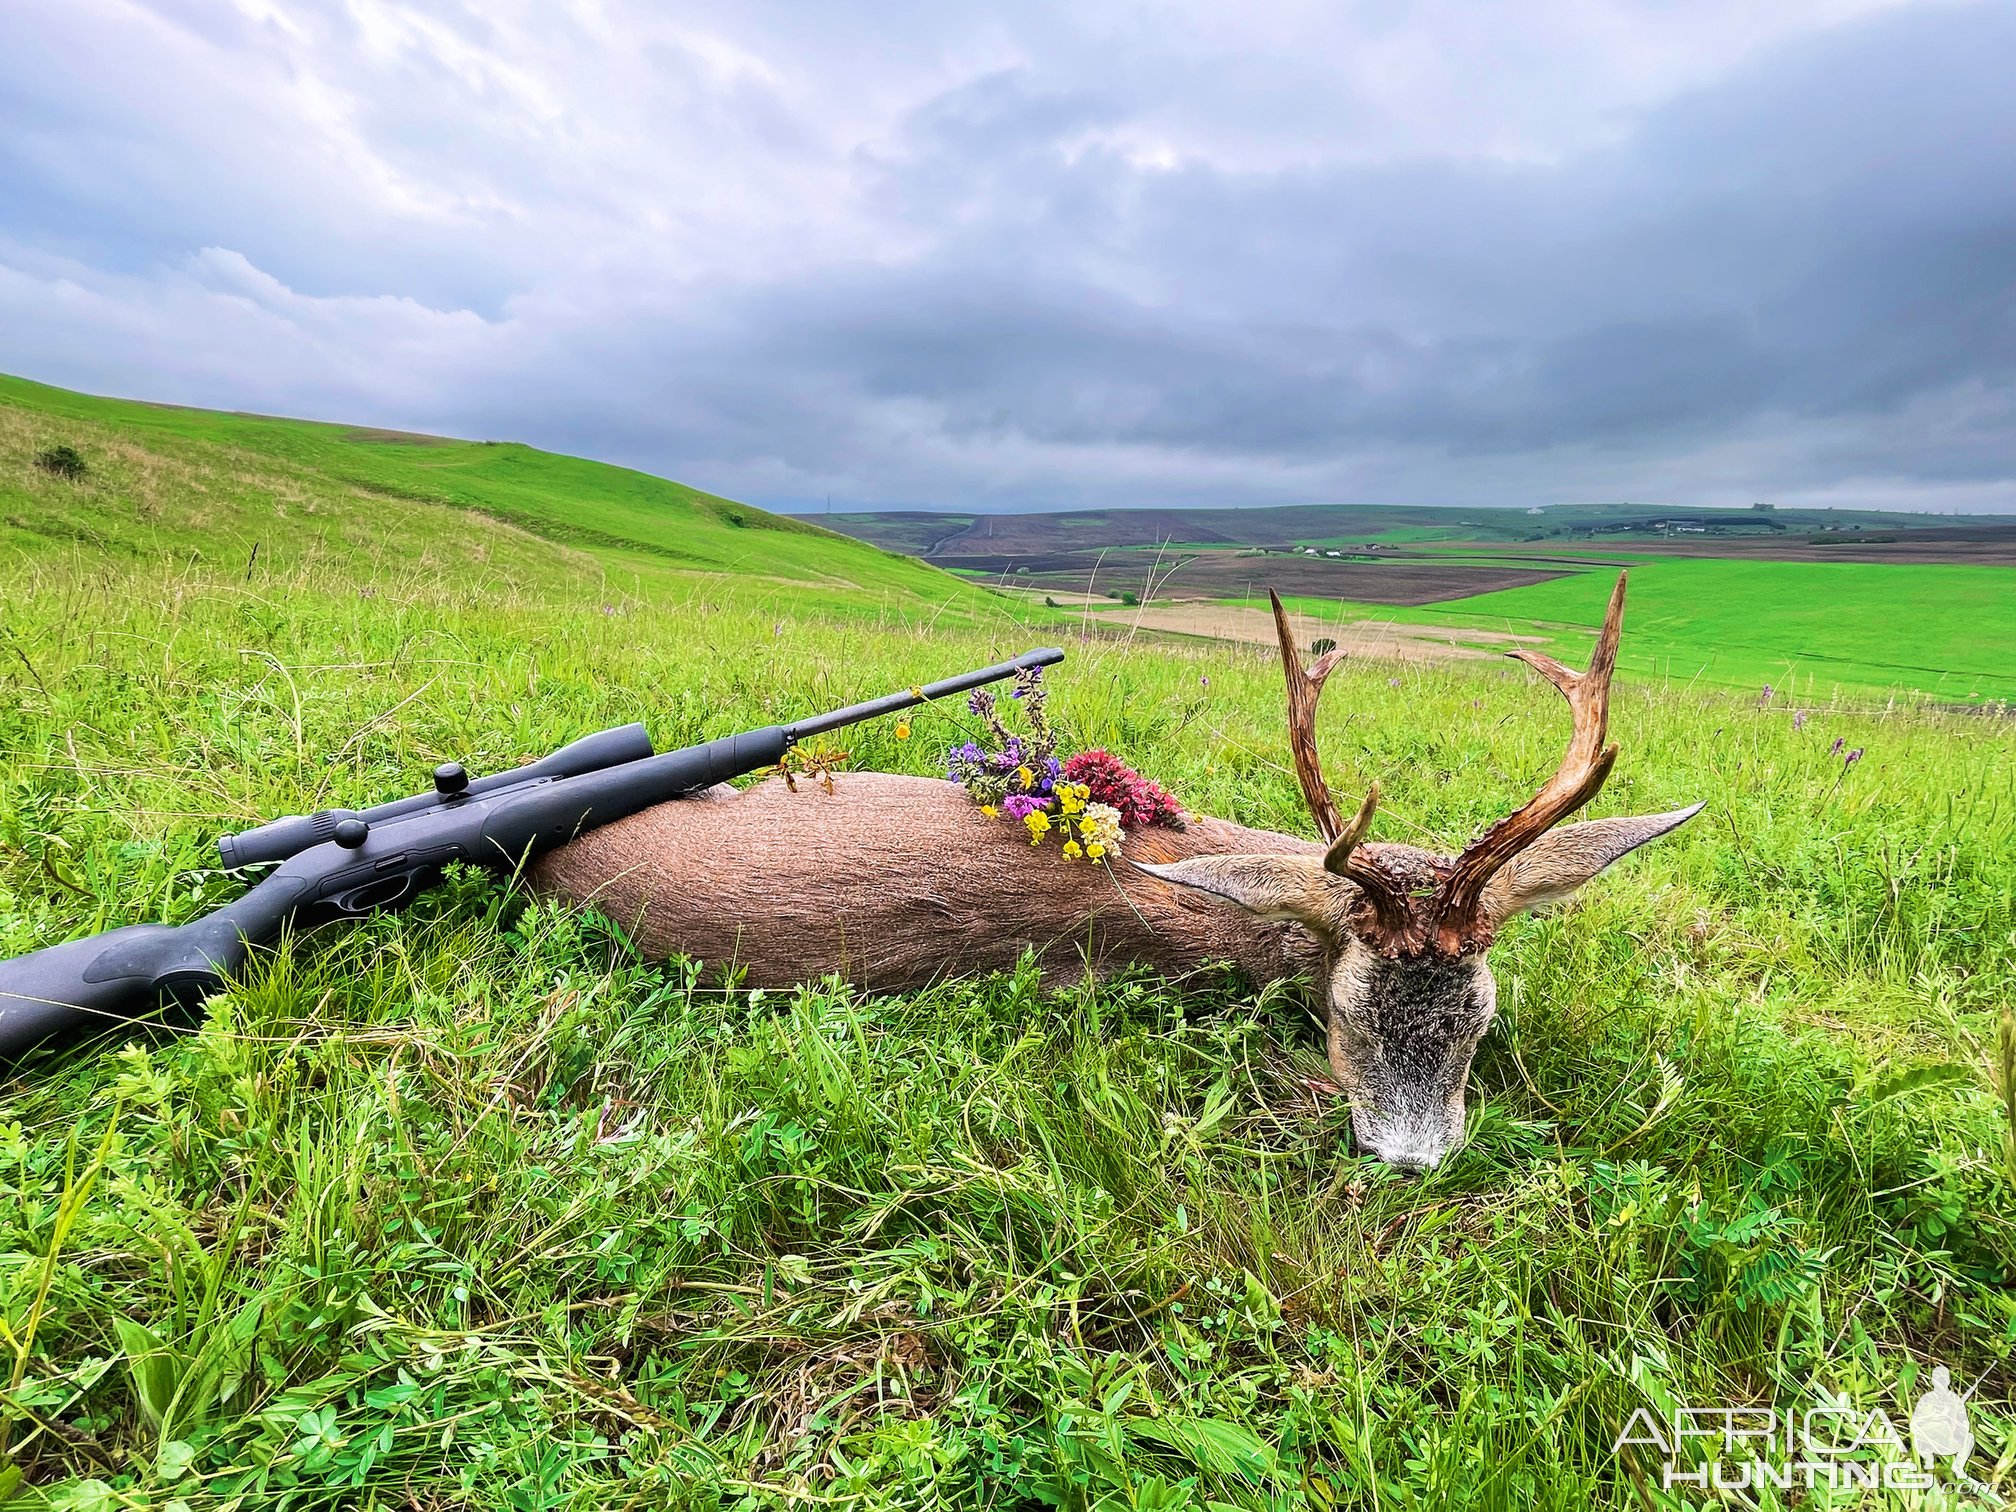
[(1100, 824)]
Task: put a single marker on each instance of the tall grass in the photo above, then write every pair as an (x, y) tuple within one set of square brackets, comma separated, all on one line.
[(469, 1207)]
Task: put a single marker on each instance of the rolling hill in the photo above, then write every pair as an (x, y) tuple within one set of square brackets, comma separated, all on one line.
[(168, 483), (954, 535)]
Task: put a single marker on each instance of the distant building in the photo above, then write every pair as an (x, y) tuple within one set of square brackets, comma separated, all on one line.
[(1536, 510)]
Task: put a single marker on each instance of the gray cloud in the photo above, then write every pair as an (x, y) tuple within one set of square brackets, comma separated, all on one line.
[(1383, 254)]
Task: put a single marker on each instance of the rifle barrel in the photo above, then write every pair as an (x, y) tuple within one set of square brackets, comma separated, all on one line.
[(890, 703)]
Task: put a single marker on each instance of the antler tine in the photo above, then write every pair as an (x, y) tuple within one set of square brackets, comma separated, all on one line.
[(1305, 687), (1343, 859), (1381, 889), (1339, 854), (1583, 769)]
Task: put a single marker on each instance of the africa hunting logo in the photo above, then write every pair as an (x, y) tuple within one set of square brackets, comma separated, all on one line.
[(1833, 1444)]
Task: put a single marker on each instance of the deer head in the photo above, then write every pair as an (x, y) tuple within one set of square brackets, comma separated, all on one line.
[(1403, 931)]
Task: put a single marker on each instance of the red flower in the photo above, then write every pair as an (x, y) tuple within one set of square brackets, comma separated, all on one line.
[(1112, 781)]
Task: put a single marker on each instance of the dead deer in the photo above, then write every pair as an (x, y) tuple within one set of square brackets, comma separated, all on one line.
[(892, 882)]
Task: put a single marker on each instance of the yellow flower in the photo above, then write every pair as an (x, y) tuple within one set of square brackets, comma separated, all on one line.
[(1027, 777), (990, 811), (902, 729), (1095, 850), (1068, 799), (1072, 850), (1039, 826)]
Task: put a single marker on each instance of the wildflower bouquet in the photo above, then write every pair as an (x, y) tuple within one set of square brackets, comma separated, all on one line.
[(1086, 800)]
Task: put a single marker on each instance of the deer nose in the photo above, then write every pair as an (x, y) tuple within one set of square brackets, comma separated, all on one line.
[(1413, 1140), (1413, 1158), (1410, 1145)]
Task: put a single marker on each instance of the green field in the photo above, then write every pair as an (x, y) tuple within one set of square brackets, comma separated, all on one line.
[(1942, 631), (1809, 629), (1932, 630), (469, 1208)]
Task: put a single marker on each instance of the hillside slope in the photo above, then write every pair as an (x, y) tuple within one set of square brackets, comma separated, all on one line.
[(170, 482)]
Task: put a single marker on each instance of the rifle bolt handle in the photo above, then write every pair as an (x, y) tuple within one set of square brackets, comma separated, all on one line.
[(450, 779), (350, 833)]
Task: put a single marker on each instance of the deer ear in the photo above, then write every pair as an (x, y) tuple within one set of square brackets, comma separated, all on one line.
[(1274, 887), (1551, 868)]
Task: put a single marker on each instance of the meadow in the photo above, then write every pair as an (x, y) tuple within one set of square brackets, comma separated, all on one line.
[(469, 1207), (1933, 631)]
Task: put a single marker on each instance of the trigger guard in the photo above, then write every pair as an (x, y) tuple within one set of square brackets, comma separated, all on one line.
[(380, 892)]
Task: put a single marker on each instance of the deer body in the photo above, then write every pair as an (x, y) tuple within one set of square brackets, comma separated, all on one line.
[(895, 881)]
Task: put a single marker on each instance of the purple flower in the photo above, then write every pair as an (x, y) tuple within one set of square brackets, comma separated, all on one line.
[(1767, 694), (1019, 806), (1203, 682), (1392, 682), (1799, 719), (1853, 756), (1835, 749)]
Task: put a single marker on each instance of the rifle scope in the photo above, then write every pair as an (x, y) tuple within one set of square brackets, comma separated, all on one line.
[(294, 833)]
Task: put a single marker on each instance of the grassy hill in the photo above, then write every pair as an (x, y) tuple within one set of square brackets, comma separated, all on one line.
[(468, 1207), (166, 482)]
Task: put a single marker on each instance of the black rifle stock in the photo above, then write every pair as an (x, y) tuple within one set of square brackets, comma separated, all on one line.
[(343, 864)]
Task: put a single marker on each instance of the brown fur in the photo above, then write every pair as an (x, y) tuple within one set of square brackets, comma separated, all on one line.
[(896, 881)]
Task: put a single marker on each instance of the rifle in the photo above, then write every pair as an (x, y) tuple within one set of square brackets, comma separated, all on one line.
[(344, 863)]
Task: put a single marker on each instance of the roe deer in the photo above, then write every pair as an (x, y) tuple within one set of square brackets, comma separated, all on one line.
[(893, 881)]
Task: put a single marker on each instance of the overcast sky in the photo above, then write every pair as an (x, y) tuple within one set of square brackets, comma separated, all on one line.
[(1050, 255)]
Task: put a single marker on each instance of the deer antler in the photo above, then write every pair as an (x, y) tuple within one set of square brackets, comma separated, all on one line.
[(1344, 859), (1583, 768), (1305, 686)]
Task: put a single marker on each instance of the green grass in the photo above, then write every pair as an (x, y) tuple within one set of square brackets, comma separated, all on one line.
[(469, 1208), (170, 483), (1936, 630), (1930, 631)]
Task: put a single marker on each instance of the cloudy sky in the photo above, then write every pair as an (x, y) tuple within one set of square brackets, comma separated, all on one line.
[(1046, 255)]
